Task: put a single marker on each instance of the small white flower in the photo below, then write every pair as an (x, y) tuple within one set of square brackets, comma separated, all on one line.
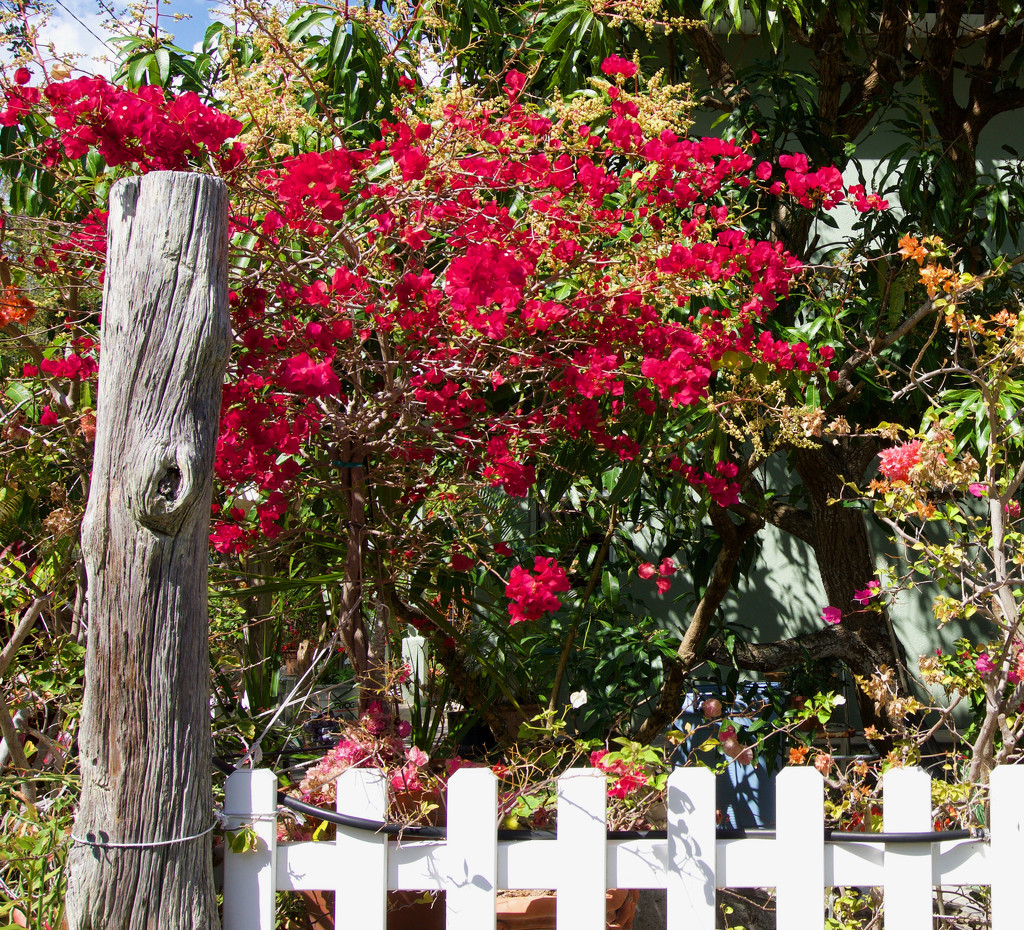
[(839, 699), (578, 698)]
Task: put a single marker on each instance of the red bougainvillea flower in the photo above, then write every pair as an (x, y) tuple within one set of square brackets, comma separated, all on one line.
[(627, 785), (831, 615), (666, 568), (864, 203), (490, 319), (615, 65), (228, 537), (304, 376), (535, 594), (515, 81), (896, 463), (22, 76)]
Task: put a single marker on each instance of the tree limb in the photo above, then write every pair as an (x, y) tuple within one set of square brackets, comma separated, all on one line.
[(22, 631), (689, 652), (790, 519)]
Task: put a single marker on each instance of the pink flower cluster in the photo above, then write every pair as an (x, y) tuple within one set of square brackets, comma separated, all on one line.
[(407, 778), (665, 570), (627, 780), (986, 665), (73, 367), (864, 597), (19, 99), (533, 594), (375, 740), (866, 203), (896, 463), (824, 186)]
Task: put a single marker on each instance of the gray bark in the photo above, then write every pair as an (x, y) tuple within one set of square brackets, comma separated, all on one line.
[(145, 736)]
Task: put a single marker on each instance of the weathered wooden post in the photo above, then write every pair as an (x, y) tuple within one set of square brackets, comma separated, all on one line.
[(141, 853)]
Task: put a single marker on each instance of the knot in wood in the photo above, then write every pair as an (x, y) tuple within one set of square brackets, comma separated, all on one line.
[(166, 488)]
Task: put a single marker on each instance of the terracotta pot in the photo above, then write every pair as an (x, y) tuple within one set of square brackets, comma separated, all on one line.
[(811, 724), (515, 717), (408, 806), (406, 910), (537, 911), (319, 909)]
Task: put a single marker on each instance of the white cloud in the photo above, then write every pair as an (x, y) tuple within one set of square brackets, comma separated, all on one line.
[(77, 29)]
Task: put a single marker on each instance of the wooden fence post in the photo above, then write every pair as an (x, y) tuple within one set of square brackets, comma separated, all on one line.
[(141, 854)]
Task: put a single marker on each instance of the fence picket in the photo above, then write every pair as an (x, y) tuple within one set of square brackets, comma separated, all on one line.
[(250, 878), (472, 850), (906, 808), (800, 847), (362, 880), (1006, 816), (691, 865), (582, 841)]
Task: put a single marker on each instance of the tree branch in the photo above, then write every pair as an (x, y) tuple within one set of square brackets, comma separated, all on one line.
[(22, 631), (689, 652), (829, 643), (789, 519)]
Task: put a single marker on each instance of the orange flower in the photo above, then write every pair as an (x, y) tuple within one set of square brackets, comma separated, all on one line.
[(911, 248), (798, 755), (87, 424), (14, 307), (935, 276)]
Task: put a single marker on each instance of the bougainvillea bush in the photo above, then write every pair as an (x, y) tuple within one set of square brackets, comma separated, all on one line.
[(493, 302), (469, 358)]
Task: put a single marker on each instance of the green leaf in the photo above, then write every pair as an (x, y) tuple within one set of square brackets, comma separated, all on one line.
[(163, 65), (610, 587), (302, 22), (138, 69), (244, 840)]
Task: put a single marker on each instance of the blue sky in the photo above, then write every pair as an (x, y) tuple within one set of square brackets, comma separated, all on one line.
[(78, 26)]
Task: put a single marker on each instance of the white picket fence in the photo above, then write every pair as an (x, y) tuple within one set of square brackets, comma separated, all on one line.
[(581, 863)]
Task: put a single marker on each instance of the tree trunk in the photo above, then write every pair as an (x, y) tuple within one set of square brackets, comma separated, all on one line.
[(142, 854), (845, 563)]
